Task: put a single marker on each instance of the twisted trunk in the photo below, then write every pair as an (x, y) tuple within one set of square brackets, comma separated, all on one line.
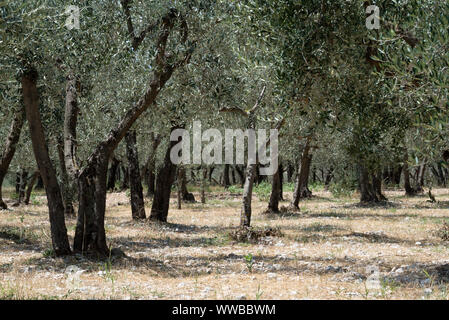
[(30, 186), (58, 229), (150, 175), (113, 173), (164, 182), (10, 148), (302, 176), (137, 202), (276, 191)]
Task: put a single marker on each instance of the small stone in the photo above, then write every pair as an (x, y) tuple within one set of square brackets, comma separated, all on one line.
[(241, 297), (428, 291), (272, 275)]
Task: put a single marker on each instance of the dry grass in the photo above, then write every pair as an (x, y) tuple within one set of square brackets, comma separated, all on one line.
[(327, 251)]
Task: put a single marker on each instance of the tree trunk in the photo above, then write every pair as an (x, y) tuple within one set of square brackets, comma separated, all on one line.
[(125, 181), (240, 174), (150, 175), (290, 170), (245, 217), (113, 173), (302, 174), (30, 186), (328, 179), (10, 148), (367, 192), (58, 228), (21, 184), (226, 182), (67, 191), (377, 186), (179, 188), (90, 233), (185, 194), (203, 185), (281, 181), (164, 182), (137, 202), (409, 191), (234, 180), (211, 171), (420, 177), (273, 205)]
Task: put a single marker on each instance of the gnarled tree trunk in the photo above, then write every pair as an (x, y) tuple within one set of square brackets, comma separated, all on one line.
[(137, 202), (164, 181), (150, 174), (58, 228), (30, 186), (185, 194), (113, 173), (273, 205), (301, 184), (10, 148)]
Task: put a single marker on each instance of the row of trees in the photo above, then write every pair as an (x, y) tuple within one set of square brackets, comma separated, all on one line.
[(354, 106)]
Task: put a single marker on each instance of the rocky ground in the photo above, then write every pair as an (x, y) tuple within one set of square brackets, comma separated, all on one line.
[(331, 249)]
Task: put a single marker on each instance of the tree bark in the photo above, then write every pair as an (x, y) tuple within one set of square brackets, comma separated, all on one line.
[(301, 190), (125, 181), (150, 175), (164, 182), (328, 179), (367, 192), (273, 205), (137, 202), (420, 177), (21, 184), (30, 186), (58, 228), (67, 192), (203, 185), (185, 194), (10, 148), (409, 191), (226, 182), (113, 173)]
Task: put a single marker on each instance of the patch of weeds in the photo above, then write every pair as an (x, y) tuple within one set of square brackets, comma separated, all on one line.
[(253, 235), (15, 234), (235, 190), (443, 232), (259, 293), (263, 191), (343, 189), (308, 238), (158, 294), (388, 286), (8, 292), (319, 227), (249, 261), (216, 241), (49, 253), (34, 201), (316, 186)]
